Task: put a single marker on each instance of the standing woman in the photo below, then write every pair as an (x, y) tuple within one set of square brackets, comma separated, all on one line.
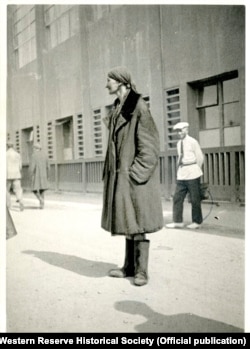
[(39, 170), (131, 199)]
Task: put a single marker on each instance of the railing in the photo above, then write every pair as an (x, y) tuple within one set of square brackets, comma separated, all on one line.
[(94, 170), (224, 170), (64, 176)]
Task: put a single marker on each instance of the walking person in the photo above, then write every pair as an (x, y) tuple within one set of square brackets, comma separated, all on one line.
[(14, 175), (39, 170), (10, 226), (189, 171), (131, 199)]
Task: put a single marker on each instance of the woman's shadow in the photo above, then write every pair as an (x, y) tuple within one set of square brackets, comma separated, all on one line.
[(156, 322), (75, 264)]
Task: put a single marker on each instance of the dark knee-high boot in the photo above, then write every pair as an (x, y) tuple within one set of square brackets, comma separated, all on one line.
[(128, 267), (141, 254)]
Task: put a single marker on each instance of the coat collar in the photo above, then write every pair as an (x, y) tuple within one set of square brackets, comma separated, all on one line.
[(129, 104)]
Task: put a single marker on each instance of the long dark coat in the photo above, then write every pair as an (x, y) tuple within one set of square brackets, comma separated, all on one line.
[(131, 197), (39, 169)]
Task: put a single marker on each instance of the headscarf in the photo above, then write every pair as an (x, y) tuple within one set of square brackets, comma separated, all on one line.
[(121, 74), (37, 146)]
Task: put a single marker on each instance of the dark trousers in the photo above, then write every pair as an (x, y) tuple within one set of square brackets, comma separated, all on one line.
[(192, 187)]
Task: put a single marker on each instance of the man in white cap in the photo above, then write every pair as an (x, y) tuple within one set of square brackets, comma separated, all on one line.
[(190, 161)]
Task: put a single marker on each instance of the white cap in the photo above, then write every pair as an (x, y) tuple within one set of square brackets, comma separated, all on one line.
[(180, 125)]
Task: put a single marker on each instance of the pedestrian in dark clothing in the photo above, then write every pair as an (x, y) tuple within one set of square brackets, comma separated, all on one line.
[(190, 160), (39, 170), (131, 200)]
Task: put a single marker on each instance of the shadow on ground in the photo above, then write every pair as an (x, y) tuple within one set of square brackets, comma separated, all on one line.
[(156, 322), (230, 232), (75, 264), (213, 229)]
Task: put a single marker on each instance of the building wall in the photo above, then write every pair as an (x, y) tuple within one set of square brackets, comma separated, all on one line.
[(199, 42), (164, 47), (129, 36)]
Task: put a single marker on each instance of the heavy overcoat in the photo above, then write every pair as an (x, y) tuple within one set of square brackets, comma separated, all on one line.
[(39, 169), (131, 197)]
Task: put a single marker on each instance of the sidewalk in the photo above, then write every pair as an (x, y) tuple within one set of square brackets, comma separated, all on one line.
[(57, 272)]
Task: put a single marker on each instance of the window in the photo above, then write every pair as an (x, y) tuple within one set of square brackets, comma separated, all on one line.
[(218, 108), (24, 34), (172, 114), (98, 146), (17, 140), (62, 23), (50, 141), (208, 96), (64, 138), (230, 90), (38, 134), (80, 136), (27, 143)]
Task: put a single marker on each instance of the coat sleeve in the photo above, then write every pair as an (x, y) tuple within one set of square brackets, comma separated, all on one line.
[(147, 147)]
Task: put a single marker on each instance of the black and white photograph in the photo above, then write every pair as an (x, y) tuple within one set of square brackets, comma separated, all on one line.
[(123, 126)]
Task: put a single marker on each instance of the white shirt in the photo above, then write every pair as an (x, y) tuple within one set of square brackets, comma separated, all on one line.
[(13, 164), (192, 159)]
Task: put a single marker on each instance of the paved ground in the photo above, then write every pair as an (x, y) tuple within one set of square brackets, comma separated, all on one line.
[(57, 272)]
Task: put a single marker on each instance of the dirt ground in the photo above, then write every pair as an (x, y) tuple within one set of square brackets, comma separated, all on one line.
[(57, 269)]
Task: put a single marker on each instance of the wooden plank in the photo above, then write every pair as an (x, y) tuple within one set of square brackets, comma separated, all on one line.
[(226, 169), (215, 162), (210, 169), (221, 169)]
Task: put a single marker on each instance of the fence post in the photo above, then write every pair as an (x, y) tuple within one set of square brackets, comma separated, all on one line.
[(233, 176), (84, 180), (56, 177)]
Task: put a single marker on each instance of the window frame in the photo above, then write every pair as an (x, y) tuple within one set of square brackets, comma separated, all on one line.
[(24, 38), (55, 19), (223, 129)]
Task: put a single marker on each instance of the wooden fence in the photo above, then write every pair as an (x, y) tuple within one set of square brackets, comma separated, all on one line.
[(224, 171)]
